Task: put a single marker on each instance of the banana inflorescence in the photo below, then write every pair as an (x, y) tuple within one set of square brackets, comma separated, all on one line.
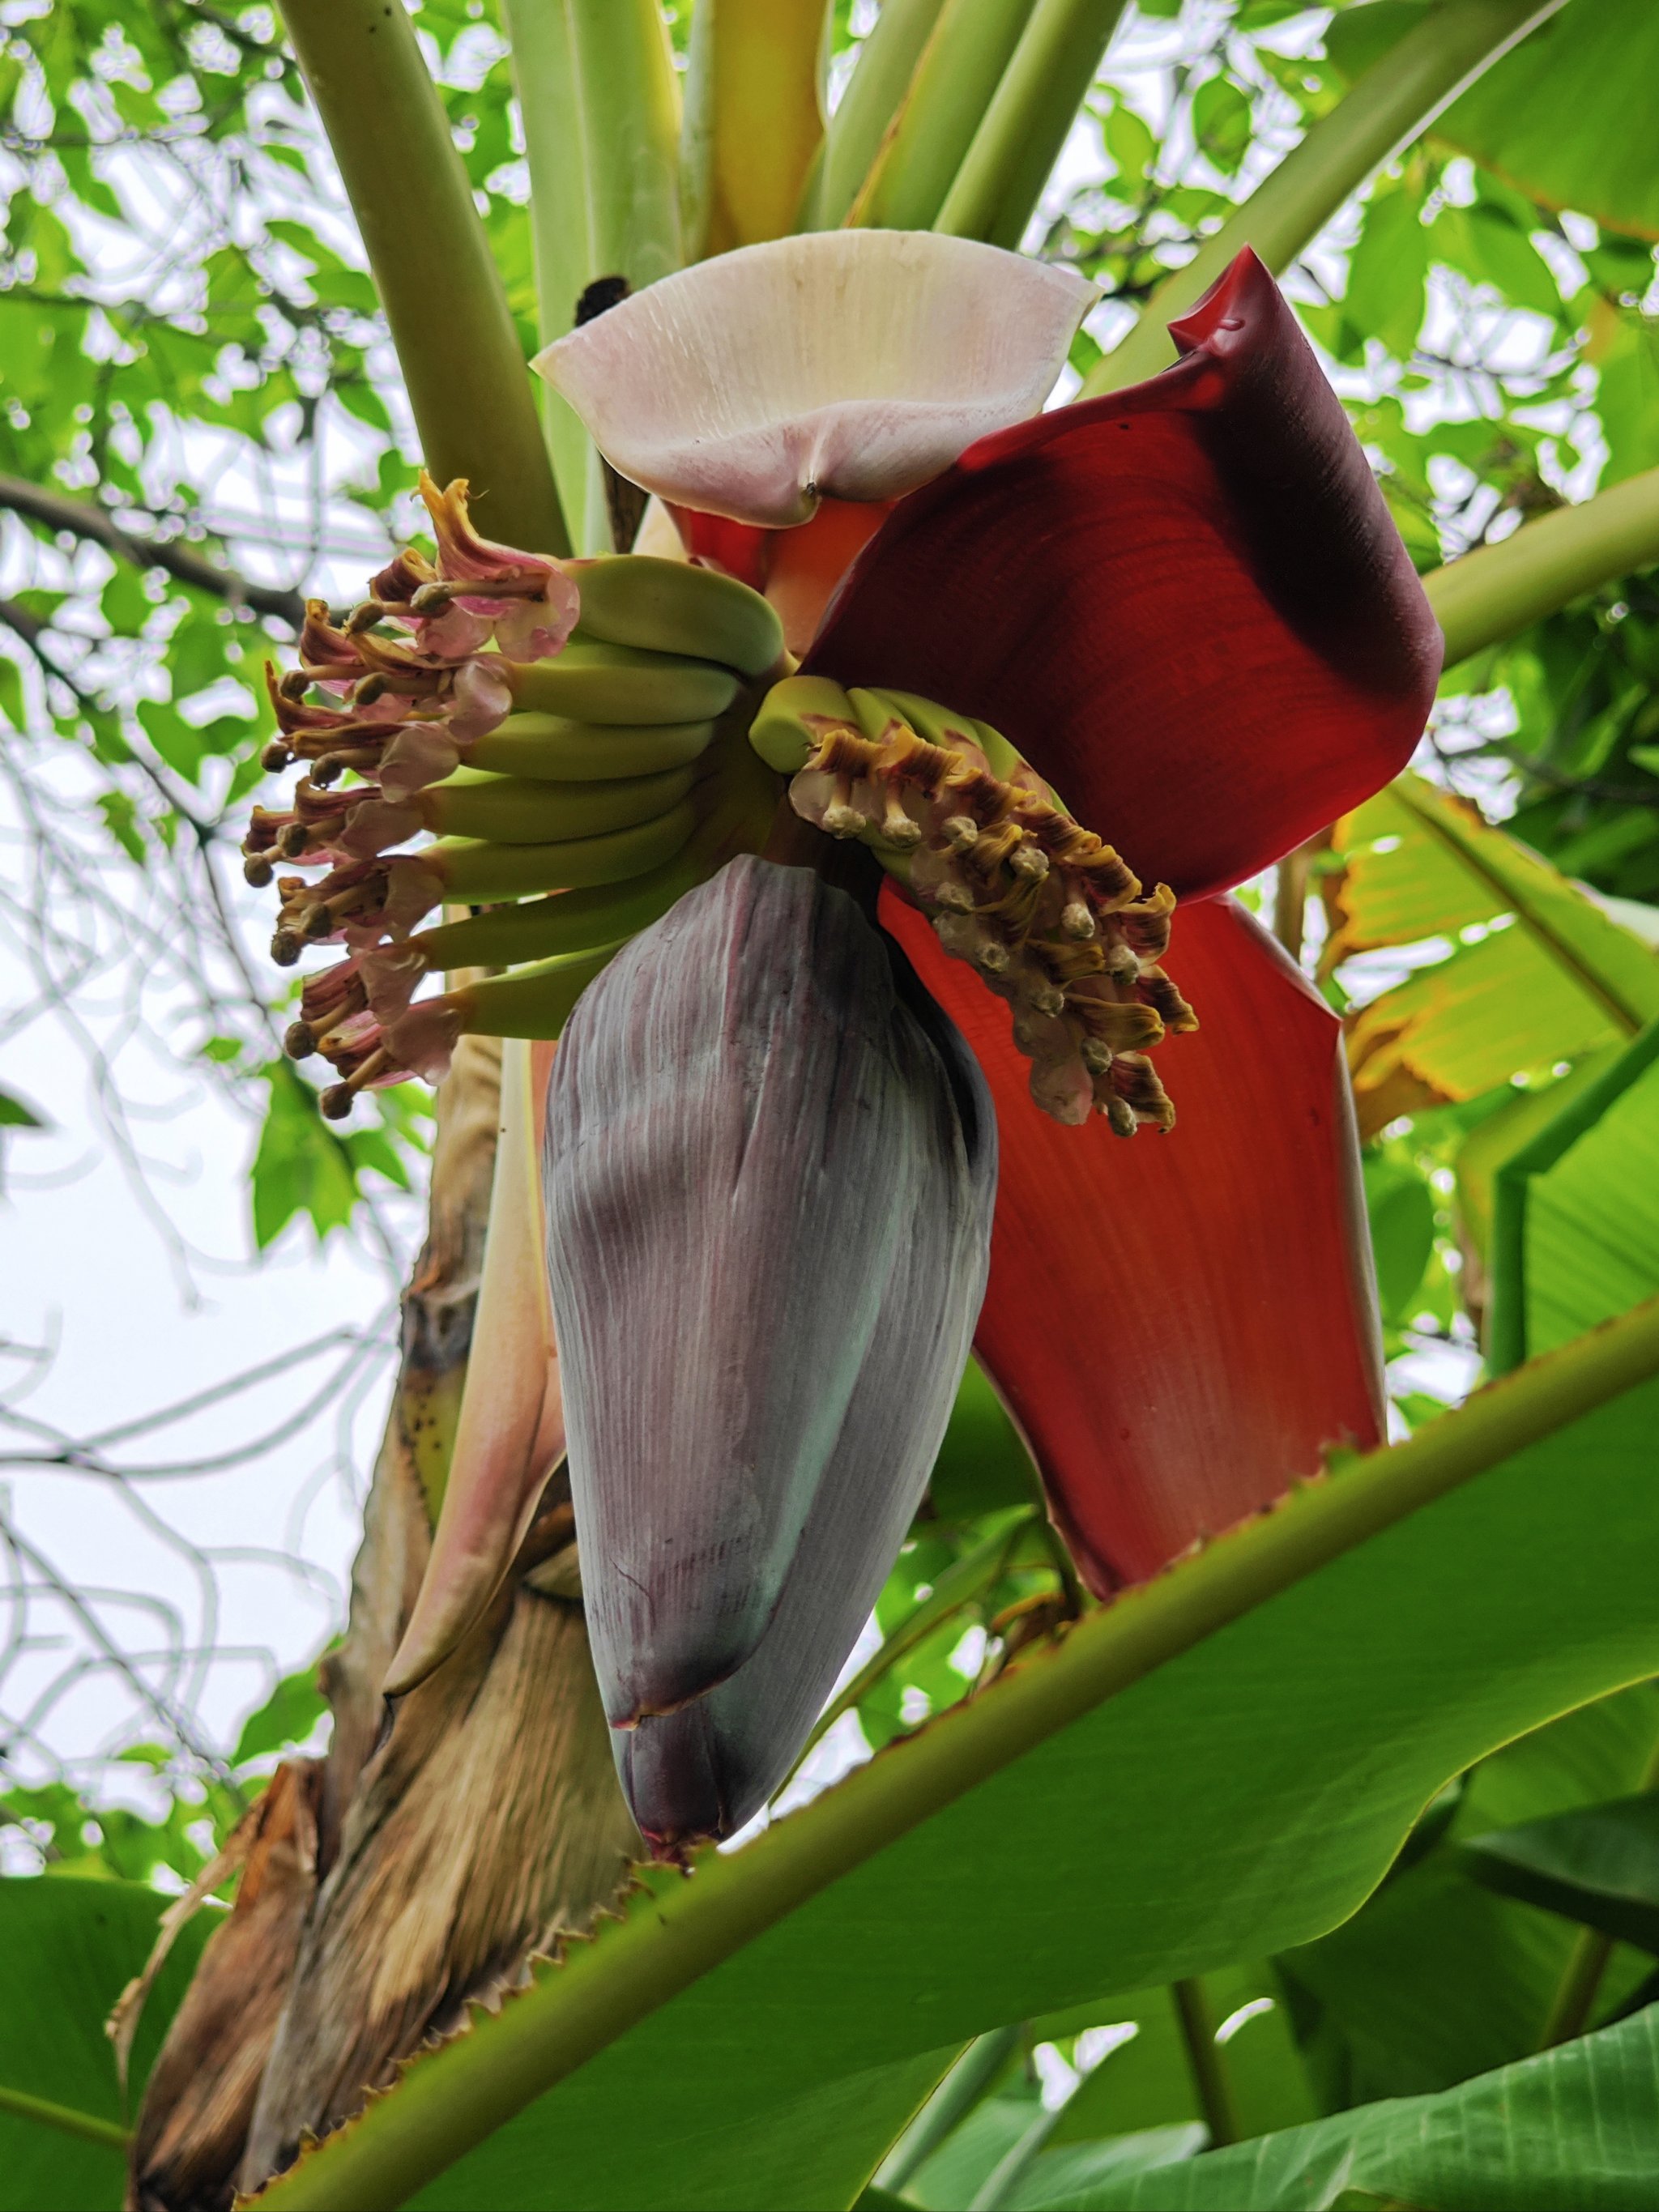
[(567, 734), (1050, 917)]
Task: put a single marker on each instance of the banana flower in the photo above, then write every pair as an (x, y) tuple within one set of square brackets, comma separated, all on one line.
[(1177, 618)]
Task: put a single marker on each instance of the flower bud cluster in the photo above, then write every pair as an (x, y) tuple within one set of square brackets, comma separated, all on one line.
[(1048, 916), (393, 694)]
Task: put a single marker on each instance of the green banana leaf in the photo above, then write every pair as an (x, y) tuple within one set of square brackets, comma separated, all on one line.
[(1542, 976), (70, 1945), (1566, 116), (1598, 1865), (1574, 2126), (1185, 1779), (1576, 1211), (1435, 1980)]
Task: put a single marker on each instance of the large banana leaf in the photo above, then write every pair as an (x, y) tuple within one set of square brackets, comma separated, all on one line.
[(1225, 1761), (1576, 1218), (1598, 1865), (1574, 2126), (1566, 116), (1432, 1981), (70, 1945)]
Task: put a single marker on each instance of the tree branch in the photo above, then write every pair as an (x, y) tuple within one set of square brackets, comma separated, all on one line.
[(58, 511)]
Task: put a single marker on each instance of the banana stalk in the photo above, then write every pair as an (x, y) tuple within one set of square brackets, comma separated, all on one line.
[(958, 70), (600, 105)]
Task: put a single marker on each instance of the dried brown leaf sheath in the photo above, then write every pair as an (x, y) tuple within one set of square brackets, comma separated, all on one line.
[(770, 1171)]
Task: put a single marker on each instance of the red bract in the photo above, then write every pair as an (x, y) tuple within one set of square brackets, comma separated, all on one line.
[(1179, 1326), (1185, 603)]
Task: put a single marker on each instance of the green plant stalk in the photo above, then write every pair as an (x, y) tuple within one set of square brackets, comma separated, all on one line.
[(994, 2191), (456, 341), (753, 135), (1506, 1330), (874, 95), (962, 1581), (959, 70), (64, 2118), (1499, 590), (603, 1987), (1204, 2061), (1575, 1998), (1032, 110), (949, 2103), (601, 126), (1395, 101)]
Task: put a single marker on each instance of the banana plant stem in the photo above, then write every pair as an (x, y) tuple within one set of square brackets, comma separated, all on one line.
[(456, 341), (1492, 593), (68, 2122), (1574, 2001), (1290, 891), (875, 92), (954, 78), (1580, 1980), (1396, 99), (954, 2099), (1017, 144), (605, 1985), (1203, 2059)]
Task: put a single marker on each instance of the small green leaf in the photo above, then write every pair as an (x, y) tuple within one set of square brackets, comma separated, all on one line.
[(1221, 123), (15, 1114), (300, 1165), (287, 1716), (121, 818), (1401, 1209)]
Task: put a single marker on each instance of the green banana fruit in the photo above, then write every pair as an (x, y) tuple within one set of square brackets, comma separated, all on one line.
[(474, 872), (516, 810), (621, 683), (779, 734), (548, 747), (668, 606), (568, 922), (534, 1002), (937, 724)]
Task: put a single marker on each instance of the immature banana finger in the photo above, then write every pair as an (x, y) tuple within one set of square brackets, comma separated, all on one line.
[(542, 928), (515, 810), (470, 872), (783, 733), (555, 749), (668, 606), (594, 683)]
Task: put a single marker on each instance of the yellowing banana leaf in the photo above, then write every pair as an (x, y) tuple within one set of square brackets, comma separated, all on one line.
[(70, 1946), (1550, 979), (1576, 1211), (1574, 2126), (754, 120), (1225, 1761)]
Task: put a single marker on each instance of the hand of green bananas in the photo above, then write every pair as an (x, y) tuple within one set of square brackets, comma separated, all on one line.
[(572, 736), (607, 772)]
